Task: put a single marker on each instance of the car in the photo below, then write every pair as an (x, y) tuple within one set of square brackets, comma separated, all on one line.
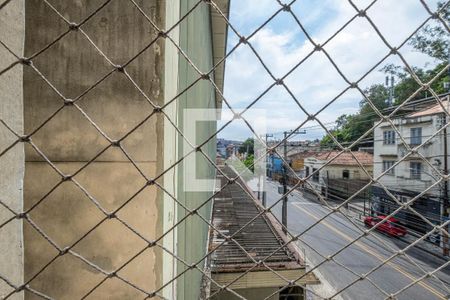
[(391, 226)]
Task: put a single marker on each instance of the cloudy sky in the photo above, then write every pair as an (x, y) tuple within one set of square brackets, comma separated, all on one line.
[(281, 45)]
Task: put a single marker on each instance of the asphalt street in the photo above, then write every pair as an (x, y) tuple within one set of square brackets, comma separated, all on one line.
[(335, 232)]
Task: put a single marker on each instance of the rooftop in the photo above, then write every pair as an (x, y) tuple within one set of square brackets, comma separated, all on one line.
[(233, 208), (432, 110), (302, 154), (345, 158), (219, 39)]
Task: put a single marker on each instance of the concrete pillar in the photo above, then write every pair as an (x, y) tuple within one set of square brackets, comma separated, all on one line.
[(70, 141), (11, 162)]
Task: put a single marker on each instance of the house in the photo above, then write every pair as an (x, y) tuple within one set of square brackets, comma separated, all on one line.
[(274, 166), (88, 103), (412, 175), (337, 175), (254, 239), (221, 147)]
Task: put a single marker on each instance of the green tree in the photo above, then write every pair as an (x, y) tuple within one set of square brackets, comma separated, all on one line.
[(350, 127), (247, 146), (407, 85), (433, 39), (248, 162)]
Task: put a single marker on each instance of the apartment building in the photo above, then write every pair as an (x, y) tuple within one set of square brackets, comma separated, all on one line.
[(413, 173)]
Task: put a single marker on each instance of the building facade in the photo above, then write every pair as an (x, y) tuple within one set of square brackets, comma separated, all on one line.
[(416, 172), (337, 176)]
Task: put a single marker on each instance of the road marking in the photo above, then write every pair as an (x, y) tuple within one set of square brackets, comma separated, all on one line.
[(305, 203), (376, 255)]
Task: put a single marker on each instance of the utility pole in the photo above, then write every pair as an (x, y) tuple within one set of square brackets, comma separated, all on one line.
[(268, 135), (446, 206), (285, 199)]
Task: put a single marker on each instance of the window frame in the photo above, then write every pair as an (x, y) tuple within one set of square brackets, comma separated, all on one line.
[(346, 172), (389, 137), (415, 137), (316, 175), (294, 293), (415, 173), (386, 164)]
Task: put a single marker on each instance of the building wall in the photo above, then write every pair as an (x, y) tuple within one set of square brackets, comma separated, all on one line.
[(195, 40), (433, 151), (276, 164), (72, 65), (334, 172), (297, 164), (400, 184), (12, 32), (355, 172), (249, 293)]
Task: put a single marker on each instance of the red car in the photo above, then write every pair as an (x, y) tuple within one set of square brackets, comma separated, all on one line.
[(391, 226)]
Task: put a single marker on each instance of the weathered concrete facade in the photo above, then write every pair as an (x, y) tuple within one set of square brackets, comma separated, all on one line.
[(12, 162), (70, 141), (75, 104)]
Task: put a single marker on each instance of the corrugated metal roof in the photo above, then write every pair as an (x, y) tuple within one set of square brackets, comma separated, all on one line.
[(233, 208)]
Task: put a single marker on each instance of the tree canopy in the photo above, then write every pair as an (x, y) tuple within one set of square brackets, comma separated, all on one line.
[(247, 146)]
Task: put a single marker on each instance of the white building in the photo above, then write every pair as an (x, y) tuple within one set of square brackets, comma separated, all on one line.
[(326, 167), (412, 175)]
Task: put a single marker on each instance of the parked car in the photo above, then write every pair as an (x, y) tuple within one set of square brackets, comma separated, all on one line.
[(390, 226)]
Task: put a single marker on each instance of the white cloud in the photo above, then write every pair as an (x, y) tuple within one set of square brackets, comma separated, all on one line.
[(281, 45)]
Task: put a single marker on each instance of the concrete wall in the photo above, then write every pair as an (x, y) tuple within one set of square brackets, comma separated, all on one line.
[(250, 294), (72, 65), (12, 33), (334, 172), (195, 40), (355, 172)]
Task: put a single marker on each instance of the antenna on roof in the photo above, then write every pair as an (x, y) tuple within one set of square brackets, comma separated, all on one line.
[(390, 99)]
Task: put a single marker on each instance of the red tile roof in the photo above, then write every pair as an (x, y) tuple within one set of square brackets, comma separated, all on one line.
[(303, 154), (432, 110), (345, 158)]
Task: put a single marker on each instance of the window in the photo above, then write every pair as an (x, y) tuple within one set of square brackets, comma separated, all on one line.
[(440, 121), (307, 171), (346, 174), (291, 293), (403, 199), (389, 137), (416, 136), (387, 164), (415, 169), (315, 175)]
